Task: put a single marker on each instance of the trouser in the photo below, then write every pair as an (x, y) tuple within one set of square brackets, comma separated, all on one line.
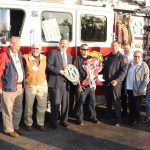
[(124, 99), (112, 94), (148, 102), (134, 106), (59, 99), (81, 97), (12, 109), (40, 92)]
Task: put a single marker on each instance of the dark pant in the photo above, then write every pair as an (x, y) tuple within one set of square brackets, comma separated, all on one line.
[(59, 99), (87, 94), (124, 98), (134, 106), (112, 95)]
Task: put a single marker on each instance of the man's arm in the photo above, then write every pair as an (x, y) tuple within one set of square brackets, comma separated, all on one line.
[(2, 68), (122, 72), (145, 80), (51, 64)]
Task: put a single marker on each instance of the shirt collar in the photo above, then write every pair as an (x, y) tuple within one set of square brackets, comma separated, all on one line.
[(13, 54), (139, 64)]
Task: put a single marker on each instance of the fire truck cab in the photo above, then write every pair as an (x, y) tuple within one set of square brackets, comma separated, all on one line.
[(48, 22)]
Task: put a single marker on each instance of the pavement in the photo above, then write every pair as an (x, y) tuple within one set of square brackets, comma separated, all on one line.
[(87, 137)]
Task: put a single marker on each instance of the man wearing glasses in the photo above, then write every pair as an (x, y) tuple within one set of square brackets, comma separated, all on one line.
[(84, 92), (136, 84), (59, 86), (36, 86)]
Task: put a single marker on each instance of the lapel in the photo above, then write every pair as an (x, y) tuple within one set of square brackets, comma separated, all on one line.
[(11, 59), (60, 57), (68, 59)]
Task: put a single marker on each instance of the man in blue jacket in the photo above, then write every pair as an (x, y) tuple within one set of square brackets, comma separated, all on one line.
[(11, 87)]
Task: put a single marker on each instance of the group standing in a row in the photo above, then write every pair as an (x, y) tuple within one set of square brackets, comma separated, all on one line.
[(28, 72)]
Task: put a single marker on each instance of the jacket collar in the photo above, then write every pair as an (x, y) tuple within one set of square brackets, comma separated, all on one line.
[(32, 58)]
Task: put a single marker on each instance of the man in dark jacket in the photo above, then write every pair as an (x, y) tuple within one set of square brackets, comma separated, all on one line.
[(58, 84), (84, 92), (115, 69)]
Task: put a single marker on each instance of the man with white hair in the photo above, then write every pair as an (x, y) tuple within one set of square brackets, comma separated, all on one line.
[(36, 86), (11, 87)]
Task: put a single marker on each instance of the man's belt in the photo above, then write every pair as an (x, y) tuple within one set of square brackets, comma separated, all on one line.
[(19, 83)]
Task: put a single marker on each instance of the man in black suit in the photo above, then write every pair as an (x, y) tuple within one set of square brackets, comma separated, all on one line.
[(58, 84)]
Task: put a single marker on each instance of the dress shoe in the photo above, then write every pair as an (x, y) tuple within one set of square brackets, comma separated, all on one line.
[(94, 121), (64, 124), (13, 134), (42, 128), (29, 128), (117, 124), (78, 122), (134, 123), (18, 131)]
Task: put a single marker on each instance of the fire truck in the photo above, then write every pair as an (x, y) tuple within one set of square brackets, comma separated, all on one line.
[(96, 23)]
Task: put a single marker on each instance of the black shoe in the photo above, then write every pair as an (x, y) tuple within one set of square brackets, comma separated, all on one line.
[(117, 124), (19, 131), (42, 128), (29, 128), (134, 123), (78, 122), (94, 121), (64, 124)]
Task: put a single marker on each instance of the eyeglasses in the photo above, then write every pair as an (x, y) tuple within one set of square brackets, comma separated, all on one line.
[(63, 44), (84, 49), (137, 56), (35, 48)]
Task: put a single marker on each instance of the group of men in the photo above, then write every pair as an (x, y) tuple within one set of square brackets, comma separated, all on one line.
[(28, 72)]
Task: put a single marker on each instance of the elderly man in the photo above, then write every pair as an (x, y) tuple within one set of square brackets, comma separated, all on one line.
[(11, 82), (136, 84), (36, 86), (115, 69), (59, 86)]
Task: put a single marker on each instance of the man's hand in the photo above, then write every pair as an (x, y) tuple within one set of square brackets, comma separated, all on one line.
[(0, 91), (62, 72), (114, 82), (141, 91)]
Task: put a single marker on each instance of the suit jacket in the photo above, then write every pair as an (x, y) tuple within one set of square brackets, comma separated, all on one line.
[(54, 65)]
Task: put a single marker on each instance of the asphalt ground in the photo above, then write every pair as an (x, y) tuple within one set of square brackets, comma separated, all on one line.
[(87, 137)]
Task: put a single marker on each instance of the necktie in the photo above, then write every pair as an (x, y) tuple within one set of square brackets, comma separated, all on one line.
[(64, 60)]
